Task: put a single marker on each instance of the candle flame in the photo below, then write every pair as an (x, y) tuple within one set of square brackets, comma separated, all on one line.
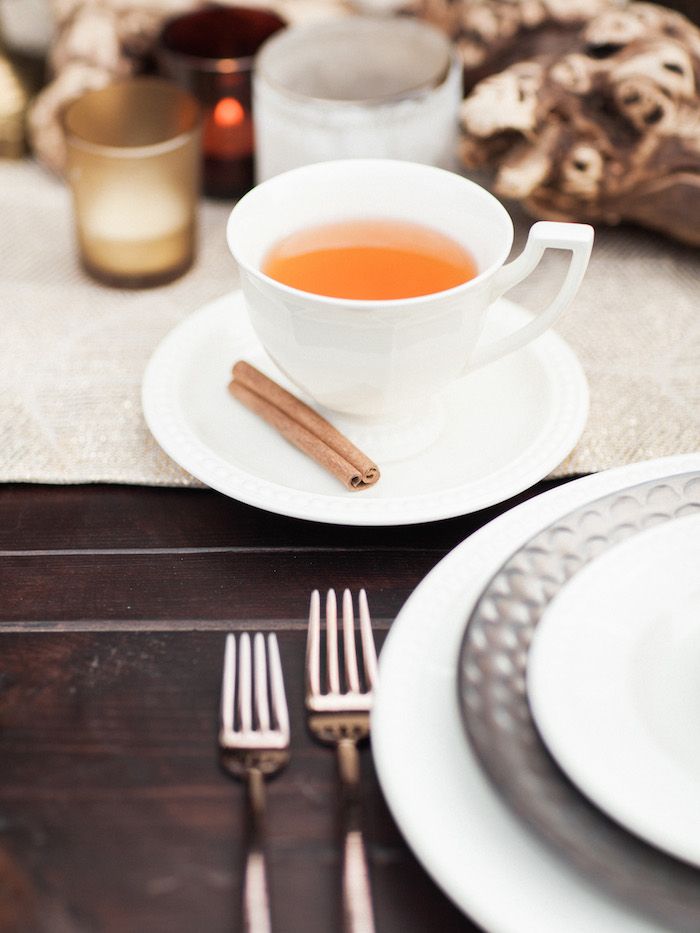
[(228, 112)]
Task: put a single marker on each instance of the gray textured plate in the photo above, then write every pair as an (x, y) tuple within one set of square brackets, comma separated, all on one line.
[(497, 717)]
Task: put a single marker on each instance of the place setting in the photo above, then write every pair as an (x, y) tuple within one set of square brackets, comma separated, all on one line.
[(556, 691), (324, 302)]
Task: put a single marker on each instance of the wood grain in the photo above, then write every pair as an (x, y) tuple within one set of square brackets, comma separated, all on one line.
[(114, 814), (41, 518)]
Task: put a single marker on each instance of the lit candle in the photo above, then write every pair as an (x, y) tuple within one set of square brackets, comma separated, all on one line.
[(227, 142), (228, 131), (133, 226)]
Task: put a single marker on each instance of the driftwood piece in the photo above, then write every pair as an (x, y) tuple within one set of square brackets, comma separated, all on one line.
[(490, 35), (96, 42), (608, 132)]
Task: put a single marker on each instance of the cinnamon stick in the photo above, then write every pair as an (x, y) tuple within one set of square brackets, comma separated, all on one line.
[(303, 427)]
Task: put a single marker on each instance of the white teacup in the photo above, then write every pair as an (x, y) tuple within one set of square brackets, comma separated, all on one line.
[(379, 364)]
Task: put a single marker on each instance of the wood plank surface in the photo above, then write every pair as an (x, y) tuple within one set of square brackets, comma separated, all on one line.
[(114, 814), (199, 587), (39, 518)]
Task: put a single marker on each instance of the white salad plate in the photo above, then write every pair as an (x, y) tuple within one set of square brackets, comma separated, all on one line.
[(456, 822), (506, 427), (614, 683)]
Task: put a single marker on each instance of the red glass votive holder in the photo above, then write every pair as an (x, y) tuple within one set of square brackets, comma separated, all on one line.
[(210, 52)]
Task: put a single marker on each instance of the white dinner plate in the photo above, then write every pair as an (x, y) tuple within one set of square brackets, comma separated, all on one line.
[(454, 820), (508, 426), (614, 683)]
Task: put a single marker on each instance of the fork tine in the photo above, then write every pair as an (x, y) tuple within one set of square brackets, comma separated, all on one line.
[(262, 708), (313, 647), (351, 673), (368, 650), (228, 684), (333, 671), (279, 699), (245, 704)]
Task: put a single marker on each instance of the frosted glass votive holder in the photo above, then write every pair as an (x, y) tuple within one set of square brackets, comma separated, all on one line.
[(133, 166), (356, 88)]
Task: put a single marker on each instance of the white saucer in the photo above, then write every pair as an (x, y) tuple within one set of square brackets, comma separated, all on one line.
[(472, 844), (508, 426), (614, 683)]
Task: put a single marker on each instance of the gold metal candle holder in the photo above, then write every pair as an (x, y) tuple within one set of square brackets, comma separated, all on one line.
[(14, 99), (133, 166)]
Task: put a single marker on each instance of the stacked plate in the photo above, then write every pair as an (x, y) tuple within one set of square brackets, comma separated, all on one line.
[(544, 682)]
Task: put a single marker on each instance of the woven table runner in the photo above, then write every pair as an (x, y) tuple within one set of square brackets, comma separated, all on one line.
[(72, 352)]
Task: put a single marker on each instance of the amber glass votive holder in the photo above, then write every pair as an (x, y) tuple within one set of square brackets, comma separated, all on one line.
[(133, 167), (210, 52)]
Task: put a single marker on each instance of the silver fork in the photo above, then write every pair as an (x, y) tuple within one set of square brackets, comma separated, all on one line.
[(254, 744), (340, 717)]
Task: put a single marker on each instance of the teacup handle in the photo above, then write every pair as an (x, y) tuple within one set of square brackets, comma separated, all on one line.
[(543, 235)]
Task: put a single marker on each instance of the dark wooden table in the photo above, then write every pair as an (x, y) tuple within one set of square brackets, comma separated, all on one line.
[(114, 815)]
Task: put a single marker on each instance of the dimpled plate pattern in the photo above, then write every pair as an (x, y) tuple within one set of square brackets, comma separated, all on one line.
[(497, 717)]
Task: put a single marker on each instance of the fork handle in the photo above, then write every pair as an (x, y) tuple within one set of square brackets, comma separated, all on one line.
[(256, 895), (358, 913)]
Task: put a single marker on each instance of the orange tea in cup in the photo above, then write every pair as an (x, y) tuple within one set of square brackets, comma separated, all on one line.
[(373, 259)]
